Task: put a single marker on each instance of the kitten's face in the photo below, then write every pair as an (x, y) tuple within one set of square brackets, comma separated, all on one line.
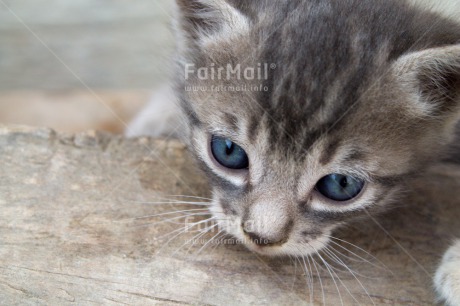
[(339, 126)]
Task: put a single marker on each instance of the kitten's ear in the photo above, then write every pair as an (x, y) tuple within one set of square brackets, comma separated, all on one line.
[(432, 77), (205, 18)]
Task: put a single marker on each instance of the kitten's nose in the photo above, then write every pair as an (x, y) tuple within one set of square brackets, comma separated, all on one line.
[(268, 222), (261, 241)]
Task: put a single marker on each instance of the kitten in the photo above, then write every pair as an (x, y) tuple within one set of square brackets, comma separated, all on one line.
[(347, 100)]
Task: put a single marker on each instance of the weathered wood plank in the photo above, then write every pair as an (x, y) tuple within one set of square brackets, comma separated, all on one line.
[(74, 228)]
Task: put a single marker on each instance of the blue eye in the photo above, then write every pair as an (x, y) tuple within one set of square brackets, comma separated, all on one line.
[(340, 187), (229, 154)]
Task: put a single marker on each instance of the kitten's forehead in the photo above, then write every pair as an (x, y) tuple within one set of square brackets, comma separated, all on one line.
[(312, 85)]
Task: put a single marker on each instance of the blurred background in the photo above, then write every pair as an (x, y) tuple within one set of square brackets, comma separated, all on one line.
[(89, 64), (78, 65)]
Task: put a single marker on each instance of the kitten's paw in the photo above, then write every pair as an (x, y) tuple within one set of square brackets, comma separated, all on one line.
[(447, 278), (160, 118)]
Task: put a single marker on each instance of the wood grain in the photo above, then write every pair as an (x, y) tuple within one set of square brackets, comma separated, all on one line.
[(75, 229)]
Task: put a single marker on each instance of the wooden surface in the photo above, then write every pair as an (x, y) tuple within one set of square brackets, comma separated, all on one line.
[(74, 229)]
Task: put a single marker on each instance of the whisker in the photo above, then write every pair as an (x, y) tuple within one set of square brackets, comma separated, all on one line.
[(171, 219), (330, 273), (209, 241), (172, 202), (337, 260), (343, 285), (196, 237), (337, 253), (356, 258), (383, 267), (183, 231), (308, 274), (353, 245), (340, 262), (170, 213), (310, 280), (200, 234), (225, 236), (188, 197), (223, 233), (191, 240), (294, 261), (319, 277), (334, 257)]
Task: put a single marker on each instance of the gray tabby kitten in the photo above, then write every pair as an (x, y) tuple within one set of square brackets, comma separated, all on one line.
[(365, 94)]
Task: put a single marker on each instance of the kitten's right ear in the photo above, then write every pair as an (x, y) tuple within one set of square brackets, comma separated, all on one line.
[(200, 19), (433, 78)]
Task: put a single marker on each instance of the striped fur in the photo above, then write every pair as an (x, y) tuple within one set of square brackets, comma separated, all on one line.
[(369, 88)]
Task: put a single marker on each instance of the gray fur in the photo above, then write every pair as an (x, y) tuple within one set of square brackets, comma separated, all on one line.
[(370, 88)]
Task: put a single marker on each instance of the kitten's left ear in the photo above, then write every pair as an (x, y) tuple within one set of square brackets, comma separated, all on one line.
[(432, 77), (200, 19)]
